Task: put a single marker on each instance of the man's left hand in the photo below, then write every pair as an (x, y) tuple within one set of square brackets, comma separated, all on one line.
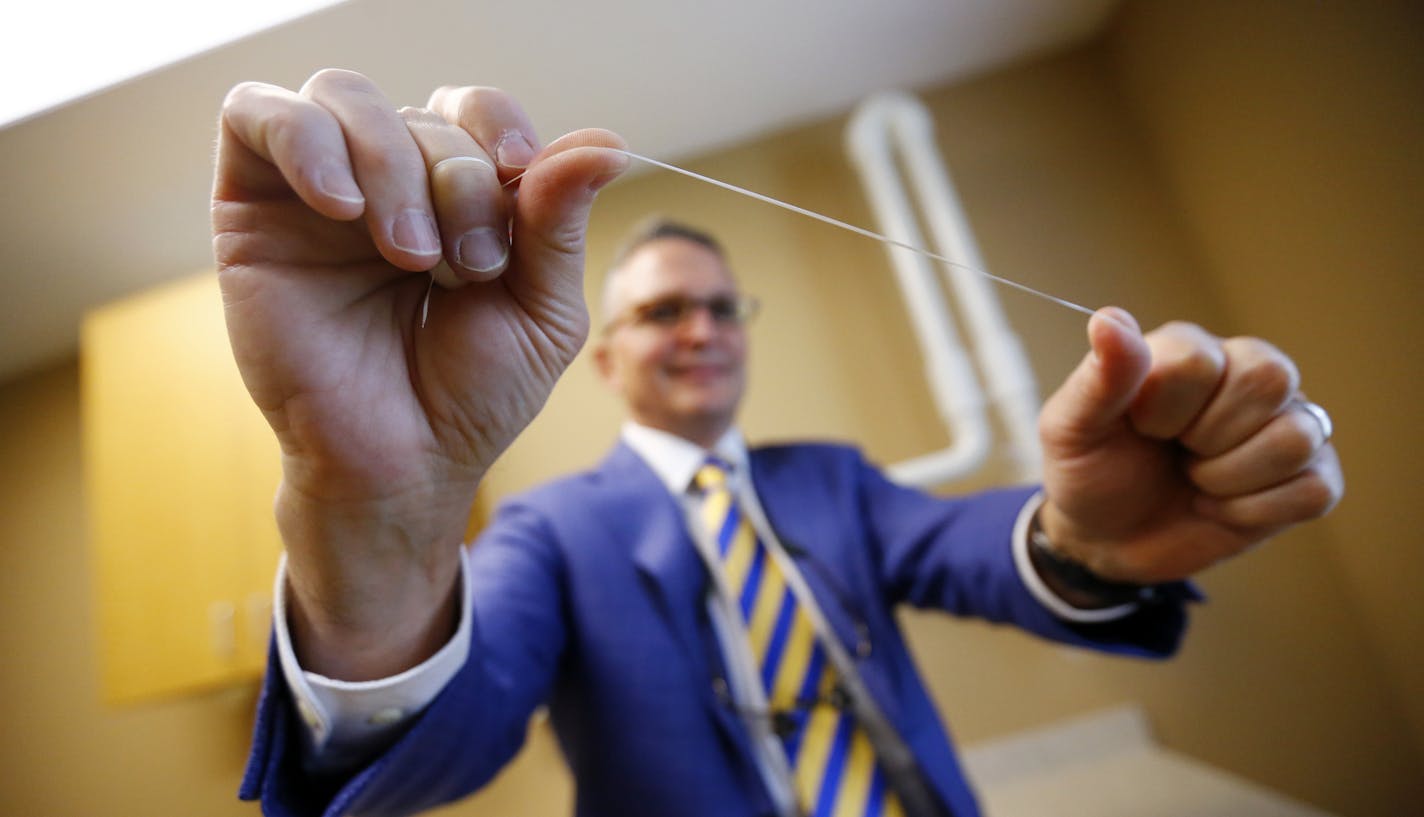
[(1166, 453)]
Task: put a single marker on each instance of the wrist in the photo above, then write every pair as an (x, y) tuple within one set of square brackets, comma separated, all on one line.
[(1073, 580), (371, 587)]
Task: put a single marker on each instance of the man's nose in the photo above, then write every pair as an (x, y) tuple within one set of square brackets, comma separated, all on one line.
[(697, 322)]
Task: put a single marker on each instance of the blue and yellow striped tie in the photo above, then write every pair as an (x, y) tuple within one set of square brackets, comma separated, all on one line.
[(830, 756)]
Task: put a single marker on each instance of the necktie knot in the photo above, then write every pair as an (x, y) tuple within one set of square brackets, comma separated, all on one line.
[(712, 476)]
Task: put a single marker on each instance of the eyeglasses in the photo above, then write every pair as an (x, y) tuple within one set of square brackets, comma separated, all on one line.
[(669, 313)]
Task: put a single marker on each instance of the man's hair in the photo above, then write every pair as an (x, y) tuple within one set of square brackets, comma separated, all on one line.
[(654, 228), (659, 227)]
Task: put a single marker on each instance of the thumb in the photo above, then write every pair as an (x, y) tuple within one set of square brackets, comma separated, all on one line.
[(552, 207), (1096, 396)]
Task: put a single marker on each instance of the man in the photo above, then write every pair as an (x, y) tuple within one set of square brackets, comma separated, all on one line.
[(630, 599)]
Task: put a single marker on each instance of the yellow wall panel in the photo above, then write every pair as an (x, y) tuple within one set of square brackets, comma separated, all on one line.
[(181, 469)]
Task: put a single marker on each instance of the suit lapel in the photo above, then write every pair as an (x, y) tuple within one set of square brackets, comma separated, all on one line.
[(644, 521), (805, 521), (790, 508), (641, 516)]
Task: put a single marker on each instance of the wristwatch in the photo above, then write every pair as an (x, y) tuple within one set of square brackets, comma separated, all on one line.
[(1076, 576)]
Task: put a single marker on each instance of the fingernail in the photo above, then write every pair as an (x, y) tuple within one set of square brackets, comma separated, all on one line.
[(598, 183), (454, 160), (622, 166), (414, 232), (338, 184), (513, 150), (1121, 317), (481, 250)]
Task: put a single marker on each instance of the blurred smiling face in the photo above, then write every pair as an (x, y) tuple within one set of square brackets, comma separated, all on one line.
[(674, 345)]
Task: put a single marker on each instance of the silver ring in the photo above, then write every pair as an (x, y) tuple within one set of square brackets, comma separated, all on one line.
[(1327, 428)]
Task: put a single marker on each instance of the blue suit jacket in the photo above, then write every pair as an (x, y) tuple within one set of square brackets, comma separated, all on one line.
[(589, 596)]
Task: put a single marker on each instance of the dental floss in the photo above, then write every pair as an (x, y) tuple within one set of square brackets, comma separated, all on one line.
[(884, 239)]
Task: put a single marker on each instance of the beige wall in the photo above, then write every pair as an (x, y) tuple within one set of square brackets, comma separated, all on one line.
[(64, 754), (1291, 136), (1292, 675)]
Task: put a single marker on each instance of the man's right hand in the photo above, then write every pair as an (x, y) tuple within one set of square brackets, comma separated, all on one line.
[(328, 207)]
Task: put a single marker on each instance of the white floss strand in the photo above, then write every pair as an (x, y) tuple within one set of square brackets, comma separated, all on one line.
[(425, 305), (854, 229), (884, 239)]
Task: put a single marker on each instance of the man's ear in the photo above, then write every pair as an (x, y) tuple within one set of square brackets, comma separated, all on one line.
[(603, 361)]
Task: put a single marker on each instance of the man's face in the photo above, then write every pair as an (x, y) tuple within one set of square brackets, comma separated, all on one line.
[(678, 366)]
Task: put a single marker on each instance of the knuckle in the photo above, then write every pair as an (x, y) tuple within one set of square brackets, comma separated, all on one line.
[(228, 249), (1184, 329), (473, 102), (243, 94), (443, 94), (566, 239), (1263, 371), (1295, 446), (485, 94), (292, 119), (476, 104), (1195, 363), (333, 80), (1258, 515), (1316, 494), (1186, 333), (420, 117), (1054, 434), (1185, 351)]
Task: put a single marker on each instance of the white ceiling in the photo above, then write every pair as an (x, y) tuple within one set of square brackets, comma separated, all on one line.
[(40, 42), (108, 195)]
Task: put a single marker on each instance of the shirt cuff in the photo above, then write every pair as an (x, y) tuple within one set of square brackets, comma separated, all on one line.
[(344, 721), (1040, 590)]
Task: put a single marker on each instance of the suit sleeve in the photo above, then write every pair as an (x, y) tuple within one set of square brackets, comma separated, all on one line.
[(471, 728), (956, 554)]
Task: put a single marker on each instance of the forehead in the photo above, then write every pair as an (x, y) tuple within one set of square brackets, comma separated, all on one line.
[(670, 266)]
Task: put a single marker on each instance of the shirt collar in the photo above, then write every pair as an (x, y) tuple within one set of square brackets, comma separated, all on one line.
[(675, 460)]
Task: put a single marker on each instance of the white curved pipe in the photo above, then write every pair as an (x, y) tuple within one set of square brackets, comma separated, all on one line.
[(880, 126), (951, 378)]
